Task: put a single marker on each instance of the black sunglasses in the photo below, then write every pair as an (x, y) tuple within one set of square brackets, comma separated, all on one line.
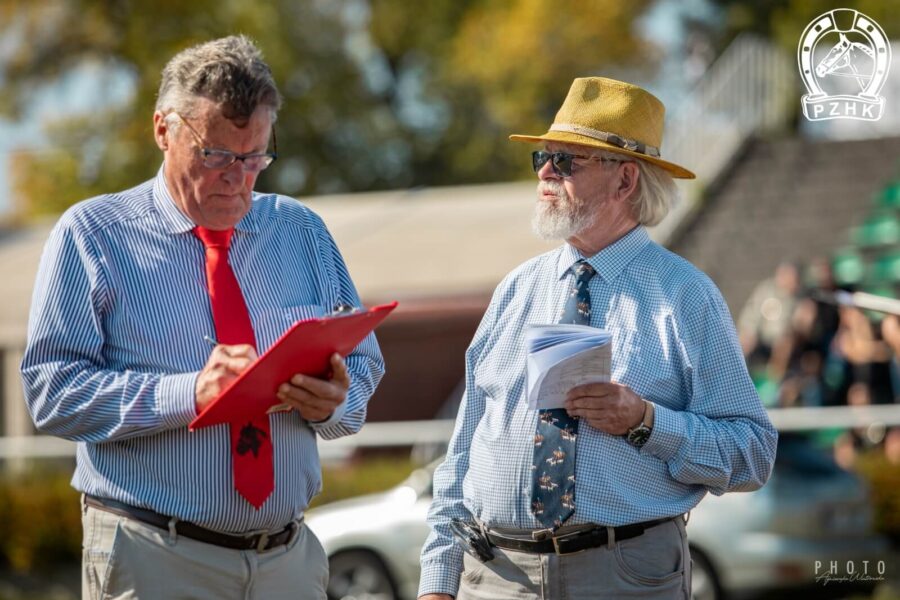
[(561, 162)]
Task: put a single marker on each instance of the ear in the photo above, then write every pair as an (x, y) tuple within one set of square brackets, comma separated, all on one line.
[(161, 131), (628, 181)]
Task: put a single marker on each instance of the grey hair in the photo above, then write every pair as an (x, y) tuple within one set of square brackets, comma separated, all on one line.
[(655, 194), (229, 71)]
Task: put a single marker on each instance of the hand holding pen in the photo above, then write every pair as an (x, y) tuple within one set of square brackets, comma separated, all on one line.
[(223, 366)]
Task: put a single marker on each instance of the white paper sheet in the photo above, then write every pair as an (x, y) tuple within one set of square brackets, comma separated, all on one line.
[(561, 357)]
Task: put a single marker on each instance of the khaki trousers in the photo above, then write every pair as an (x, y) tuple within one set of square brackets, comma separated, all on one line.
[(653, 565), (125, 559)]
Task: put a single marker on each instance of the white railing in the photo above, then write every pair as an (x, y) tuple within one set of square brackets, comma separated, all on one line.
[(414, 433), (751, 89)]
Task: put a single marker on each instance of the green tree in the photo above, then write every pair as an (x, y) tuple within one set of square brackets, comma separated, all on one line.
[(378, 93), (784, 22), (514, 61)]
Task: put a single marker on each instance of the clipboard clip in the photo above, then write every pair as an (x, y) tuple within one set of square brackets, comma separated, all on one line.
[(342, 308)]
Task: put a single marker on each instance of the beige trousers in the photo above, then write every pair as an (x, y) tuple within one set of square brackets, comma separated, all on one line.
[(654, 565), (125, 559)]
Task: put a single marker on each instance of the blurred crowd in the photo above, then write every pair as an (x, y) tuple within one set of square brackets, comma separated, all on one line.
[(805, 350)]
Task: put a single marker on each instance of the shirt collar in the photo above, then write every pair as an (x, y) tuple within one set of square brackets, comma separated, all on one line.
[(610, 261), (176, 221)]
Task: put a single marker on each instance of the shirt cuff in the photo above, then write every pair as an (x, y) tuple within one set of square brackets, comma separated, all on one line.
[(177, 399), (335, 417), (668, 434), (438, 578)]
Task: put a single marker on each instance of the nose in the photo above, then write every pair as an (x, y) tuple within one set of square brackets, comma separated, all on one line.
[(546, 171), (234, 172)]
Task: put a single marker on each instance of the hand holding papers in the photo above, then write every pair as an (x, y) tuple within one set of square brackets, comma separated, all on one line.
[(304, 348), (561, 357)]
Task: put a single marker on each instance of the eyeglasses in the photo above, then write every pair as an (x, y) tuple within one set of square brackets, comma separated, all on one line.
[(561, 162), (222, 159)]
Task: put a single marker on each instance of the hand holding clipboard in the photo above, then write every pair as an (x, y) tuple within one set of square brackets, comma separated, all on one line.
[(304, 348)]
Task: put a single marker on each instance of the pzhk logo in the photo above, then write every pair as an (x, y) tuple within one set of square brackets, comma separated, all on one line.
[(844, 82)]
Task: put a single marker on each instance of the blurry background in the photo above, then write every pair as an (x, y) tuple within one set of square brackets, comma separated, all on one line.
[(394, 129)]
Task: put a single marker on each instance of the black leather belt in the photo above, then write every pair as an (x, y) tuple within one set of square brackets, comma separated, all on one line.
[(259, 542), (546, 541)]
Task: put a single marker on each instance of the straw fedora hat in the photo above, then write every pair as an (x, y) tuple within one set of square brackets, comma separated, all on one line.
[(612, 115)]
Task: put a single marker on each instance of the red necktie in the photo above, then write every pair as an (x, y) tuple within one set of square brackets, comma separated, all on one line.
[(251, 442)]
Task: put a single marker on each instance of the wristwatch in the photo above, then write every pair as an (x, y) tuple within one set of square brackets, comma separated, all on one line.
[(638, 435)]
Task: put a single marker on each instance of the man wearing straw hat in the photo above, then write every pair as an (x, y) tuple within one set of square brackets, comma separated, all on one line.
[(588, 501)]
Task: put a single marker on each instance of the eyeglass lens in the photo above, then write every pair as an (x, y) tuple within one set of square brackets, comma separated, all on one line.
[(561, 162), (222, 159)]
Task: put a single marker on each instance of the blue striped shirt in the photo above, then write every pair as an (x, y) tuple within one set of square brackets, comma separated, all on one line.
[(115, 344), (673, 343)]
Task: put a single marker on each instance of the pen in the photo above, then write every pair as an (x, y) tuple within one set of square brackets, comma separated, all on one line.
[(211, 341)]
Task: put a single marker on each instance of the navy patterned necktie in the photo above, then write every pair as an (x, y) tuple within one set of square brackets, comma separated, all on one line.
[(553, 488)]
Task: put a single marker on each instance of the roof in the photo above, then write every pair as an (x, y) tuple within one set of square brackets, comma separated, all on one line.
[(432, 242)]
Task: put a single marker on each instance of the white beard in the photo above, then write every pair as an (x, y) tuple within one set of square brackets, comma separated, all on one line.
[(562, 219)]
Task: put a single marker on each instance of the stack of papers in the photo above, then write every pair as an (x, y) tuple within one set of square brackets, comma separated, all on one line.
[(561, 357)]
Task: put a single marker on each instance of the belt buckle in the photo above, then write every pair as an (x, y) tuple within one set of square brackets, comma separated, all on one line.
[(539, 535), (264, 537)]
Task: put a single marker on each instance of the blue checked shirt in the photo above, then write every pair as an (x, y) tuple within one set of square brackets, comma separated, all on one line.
[(115, 344), (673, 343)]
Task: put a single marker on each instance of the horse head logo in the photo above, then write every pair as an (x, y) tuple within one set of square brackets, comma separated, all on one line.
[(843, 58), (250, 440), (862, 53)]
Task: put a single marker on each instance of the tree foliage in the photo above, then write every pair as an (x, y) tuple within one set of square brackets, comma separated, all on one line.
[(378, 93), (784, 22)]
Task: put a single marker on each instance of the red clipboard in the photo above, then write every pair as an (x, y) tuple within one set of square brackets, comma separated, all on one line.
[(304, 348)]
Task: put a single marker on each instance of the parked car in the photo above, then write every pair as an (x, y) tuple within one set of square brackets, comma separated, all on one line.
[(811, 510)]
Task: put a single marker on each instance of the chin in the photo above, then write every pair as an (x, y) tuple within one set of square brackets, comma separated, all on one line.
[(227, 207), (550, 200), (223, 219)]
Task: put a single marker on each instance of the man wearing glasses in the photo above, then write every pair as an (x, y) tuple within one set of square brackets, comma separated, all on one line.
[(132, 288), (587, 501)]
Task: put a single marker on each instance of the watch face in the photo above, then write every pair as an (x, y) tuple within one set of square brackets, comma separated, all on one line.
[(639, 435)]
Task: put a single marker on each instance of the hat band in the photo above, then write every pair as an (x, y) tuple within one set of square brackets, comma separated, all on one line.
[(609, 138)]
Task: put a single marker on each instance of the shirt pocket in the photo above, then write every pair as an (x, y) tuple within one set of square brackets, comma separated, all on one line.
[(274, 322)]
